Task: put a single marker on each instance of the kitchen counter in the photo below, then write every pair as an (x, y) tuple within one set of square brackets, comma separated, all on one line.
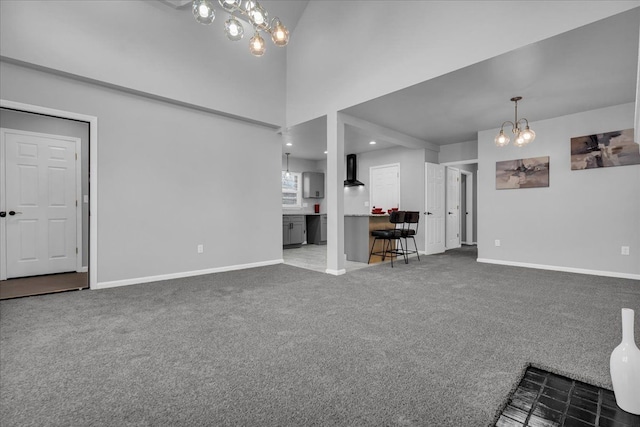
[(357, 236)]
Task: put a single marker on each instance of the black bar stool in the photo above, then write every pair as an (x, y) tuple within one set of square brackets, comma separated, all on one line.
[(389, 236), (411, 220)]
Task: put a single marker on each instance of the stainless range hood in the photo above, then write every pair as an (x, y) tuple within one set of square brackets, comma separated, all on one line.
[(352, 170)]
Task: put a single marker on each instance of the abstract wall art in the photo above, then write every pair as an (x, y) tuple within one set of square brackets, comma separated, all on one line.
[(522, 173), (604, 150)]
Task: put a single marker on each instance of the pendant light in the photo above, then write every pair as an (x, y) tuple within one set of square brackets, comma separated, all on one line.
[(287, 174), (523, 137), (250, 11)]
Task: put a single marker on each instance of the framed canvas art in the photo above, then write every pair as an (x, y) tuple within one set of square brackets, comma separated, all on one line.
[(604, 150), (522, 173)]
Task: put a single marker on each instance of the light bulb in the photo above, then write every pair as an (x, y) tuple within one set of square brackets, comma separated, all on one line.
[(203, 11), (259, 16), (229, 5), (256, 45), (501, 140), (233, 29), (520, 141), (279, 34), (528, 135)]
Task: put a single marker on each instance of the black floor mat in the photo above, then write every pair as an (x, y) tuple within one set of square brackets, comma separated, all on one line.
[(544, 399)]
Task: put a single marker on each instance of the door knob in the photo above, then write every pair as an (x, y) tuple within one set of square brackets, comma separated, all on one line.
[(450, 213), (428, 213), (12, 213), (3, 214)]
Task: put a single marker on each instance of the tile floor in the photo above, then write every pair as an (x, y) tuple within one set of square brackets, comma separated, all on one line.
[(545, 399), (314, 257)]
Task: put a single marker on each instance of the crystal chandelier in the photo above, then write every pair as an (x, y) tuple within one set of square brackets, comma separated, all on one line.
[(523, 137), (249, 10)]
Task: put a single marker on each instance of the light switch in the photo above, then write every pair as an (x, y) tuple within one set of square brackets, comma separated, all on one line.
[(86, 198), (366, 204)]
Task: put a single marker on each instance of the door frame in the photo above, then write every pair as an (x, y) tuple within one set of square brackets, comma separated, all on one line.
[(93, 172), (78, 178), (466, 162), (469, 205), (447, 199), (371, 168)]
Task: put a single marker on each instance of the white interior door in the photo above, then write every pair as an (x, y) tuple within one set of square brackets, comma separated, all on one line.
[(434, 214), (385, 186), (40, 201), (453, 208)]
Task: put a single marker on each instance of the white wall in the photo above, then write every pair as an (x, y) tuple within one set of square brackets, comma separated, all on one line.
[(411, 182), (169, 178), (458, 152), (150, 47), (377, 47), (581, 220)]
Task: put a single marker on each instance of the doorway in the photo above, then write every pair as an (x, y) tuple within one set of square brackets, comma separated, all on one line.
[(452, 223), (467, 210), (450, 205), (44, 245)]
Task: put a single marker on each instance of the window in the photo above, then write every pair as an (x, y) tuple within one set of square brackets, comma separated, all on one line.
[(291, 190)]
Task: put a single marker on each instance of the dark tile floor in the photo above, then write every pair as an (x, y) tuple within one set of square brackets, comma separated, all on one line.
[(543, 399)]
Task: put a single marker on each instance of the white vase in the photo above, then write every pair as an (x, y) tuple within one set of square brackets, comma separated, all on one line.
[(625, 367)]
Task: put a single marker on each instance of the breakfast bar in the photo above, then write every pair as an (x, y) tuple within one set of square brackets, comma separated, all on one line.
[(357, 235)]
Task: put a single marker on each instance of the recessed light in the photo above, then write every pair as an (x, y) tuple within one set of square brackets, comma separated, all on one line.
[(289, 144), (326, 152), (372, 143)]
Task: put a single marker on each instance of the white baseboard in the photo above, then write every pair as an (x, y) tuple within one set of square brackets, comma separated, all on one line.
[(138, 280), (83, 269), (336, 272), (560, 268)]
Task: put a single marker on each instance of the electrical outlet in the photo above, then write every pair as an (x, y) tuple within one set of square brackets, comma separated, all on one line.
[(200, 249), (497, 242), (624, 250), (304, 205), (366, 204)]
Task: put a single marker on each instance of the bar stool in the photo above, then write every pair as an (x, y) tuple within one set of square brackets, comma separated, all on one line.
[(411, 219), (389, 236)]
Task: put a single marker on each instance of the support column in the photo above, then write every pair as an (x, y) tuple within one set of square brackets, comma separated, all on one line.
[(335, 194)]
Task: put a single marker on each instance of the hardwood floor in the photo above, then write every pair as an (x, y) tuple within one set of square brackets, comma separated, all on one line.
[(38, 285)]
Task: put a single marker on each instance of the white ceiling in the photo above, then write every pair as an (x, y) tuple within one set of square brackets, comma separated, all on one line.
[(591, 67)]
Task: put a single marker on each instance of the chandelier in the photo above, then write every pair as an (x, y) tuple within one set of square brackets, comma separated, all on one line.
[(249, 10), (523, 137)]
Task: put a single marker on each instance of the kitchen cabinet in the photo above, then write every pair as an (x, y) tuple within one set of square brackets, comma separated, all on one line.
[(313, 185), (317, 229), (292, 230)]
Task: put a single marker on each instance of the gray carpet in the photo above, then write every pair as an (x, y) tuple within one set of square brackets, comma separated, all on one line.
[(440, 342)]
